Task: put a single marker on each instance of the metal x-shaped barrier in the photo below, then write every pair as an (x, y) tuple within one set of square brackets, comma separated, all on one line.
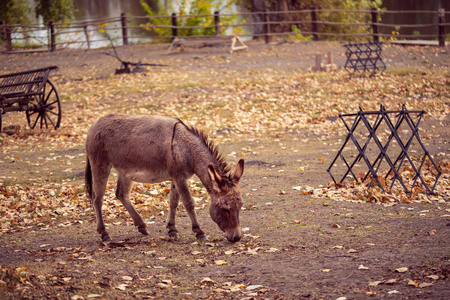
[(391, 121), (363, 57)]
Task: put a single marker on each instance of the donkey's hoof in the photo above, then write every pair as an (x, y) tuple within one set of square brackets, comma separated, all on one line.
[(106, 238), (202, 237), (173, 235), (143, 230)]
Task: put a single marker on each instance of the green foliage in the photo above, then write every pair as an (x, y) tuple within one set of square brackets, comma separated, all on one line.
[(349, 17), (183, 8), (299, 36), (20, 11), (15, 11), (56, 10)]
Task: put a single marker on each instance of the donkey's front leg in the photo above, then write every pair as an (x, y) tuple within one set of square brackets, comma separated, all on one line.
[(174, 199), (188, 202), (123, 194)]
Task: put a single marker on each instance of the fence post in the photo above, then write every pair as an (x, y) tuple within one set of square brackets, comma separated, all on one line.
[(217, 22), (314, 23), (174, 26), (374, 25), (51, 26), (123, 20), (441, 14), (266, 26), (7, 35), (85, 28)]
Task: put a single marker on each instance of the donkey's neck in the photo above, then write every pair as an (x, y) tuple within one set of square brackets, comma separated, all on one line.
[(202, 157), (201, 169)]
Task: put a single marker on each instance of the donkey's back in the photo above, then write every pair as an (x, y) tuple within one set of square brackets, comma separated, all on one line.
[(139, 147)]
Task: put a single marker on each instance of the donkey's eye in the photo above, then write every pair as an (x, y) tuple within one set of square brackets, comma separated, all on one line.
[(226, 210)]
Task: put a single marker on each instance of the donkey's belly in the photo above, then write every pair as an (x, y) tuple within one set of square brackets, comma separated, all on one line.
[(145, 176)]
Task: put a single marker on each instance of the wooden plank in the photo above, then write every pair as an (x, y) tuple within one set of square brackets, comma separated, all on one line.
[(418, 43), (235, 41)]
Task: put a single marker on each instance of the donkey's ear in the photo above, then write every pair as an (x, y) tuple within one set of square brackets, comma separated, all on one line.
[(216, 180), (239, 170)]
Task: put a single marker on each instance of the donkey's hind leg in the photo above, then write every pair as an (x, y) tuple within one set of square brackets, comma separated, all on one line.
[(100, 176), (123, 194), (174, 199)]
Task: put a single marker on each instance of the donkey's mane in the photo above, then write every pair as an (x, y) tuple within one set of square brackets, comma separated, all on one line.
[(225, 168)]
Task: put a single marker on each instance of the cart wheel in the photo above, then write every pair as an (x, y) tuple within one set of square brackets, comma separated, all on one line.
[(45, 109)]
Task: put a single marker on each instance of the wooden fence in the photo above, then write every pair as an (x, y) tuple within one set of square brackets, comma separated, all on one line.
[(313, 23)]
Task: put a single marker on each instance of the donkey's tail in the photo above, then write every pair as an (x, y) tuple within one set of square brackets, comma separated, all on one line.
[(88, 178)]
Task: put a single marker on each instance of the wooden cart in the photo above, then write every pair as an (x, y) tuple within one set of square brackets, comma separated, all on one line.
[(31, 92)]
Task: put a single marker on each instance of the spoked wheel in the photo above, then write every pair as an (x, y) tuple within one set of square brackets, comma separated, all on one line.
[(45, 109)]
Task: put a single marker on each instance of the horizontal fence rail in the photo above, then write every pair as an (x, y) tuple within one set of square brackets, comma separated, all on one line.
[(311, 23)]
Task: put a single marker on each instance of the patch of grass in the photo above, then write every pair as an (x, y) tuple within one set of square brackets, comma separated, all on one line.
[(404, 72)]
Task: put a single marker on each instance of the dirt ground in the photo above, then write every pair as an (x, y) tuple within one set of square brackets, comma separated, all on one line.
[(296, 245)]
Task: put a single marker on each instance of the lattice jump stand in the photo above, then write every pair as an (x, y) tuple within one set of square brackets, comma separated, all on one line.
[(384, 117), (362, 57)]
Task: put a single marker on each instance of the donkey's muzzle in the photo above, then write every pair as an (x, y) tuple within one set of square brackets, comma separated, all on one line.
[(233, 234)]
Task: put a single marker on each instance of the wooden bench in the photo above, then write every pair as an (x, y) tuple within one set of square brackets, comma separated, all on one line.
[(236, 43), (362, 57)]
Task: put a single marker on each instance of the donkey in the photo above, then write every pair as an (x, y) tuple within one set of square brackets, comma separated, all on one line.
[(152, 149)]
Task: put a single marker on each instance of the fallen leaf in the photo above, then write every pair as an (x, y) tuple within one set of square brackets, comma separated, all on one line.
[(361, 267), (237, 287), (252, 251), (414, 283), (220, 262), (393, 292), (207, 280), (253, 287), (434, 277), (401, 270), (127, 278), (271, 250), (391, 281), (325, 270), (375, 283), (122, 287), (425, 284)]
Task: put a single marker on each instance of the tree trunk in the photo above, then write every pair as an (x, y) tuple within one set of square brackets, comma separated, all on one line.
[(273, 5), (258, 6)]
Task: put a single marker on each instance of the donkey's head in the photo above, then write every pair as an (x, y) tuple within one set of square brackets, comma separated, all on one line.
[(226, 201)]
